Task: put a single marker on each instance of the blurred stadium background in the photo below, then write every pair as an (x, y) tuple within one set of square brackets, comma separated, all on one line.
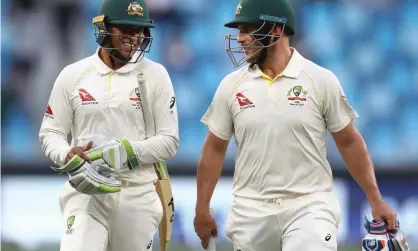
[(372, 46)]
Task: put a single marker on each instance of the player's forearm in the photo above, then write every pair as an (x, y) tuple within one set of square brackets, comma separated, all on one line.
[(156, 149), (208, 173), (360, 166), (54, 145)]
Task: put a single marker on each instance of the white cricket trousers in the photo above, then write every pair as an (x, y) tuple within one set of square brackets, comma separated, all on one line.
[(124, 221), (307, 222)]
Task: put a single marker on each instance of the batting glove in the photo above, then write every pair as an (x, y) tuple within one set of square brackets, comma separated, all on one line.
[(379, 238), (118, 154), (90, 178)]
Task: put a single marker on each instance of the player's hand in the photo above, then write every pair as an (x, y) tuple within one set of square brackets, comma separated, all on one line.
[(205, 227), (118, 154), (382, 211), (90, 178), (79, 150)]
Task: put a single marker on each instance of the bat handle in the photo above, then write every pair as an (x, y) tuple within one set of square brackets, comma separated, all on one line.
[(212, 240), (211, 244)]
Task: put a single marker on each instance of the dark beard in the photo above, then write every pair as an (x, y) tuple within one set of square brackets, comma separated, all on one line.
[(258, 58)]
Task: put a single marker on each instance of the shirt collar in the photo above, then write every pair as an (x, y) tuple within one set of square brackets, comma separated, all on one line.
[(102, 68), (292, 70)]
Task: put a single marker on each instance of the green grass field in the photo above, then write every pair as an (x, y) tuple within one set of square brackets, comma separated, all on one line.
[(55, 247)]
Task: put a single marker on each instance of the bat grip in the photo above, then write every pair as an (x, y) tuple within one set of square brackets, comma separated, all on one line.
[(212, 239)]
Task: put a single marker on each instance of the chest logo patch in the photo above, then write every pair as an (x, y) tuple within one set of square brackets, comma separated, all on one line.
[(244, 102), (86, 98), (297, 96), (135, 98)]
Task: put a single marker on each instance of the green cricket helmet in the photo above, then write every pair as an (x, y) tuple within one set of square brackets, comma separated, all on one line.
[(266, 15), (123, 12)]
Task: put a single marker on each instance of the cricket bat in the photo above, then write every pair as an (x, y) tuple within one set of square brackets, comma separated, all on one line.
[(212, 240), (163, 188)]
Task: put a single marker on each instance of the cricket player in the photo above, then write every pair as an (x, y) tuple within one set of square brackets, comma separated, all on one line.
[(279, 108), (97, 100)]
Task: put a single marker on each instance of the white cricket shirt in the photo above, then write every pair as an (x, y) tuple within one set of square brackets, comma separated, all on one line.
[(90, 98), (280, 127)]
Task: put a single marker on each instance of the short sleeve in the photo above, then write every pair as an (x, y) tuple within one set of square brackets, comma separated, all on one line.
[(338, 113), (218, 117)]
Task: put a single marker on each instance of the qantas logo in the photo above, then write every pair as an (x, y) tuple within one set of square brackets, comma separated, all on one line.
[(86, 98), (48, 112), (244, 102)]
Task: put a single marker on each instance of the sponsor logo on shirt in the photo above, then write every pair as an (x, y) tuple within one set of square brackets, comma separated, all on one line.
[(86, 98), (244, 102), (135, 98), (297, 96), (48, 112), (172, 103)]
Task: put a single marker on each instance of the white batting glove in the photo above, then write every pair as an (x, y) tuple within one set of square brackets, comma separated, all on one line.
[(118, 154), (90, 178)]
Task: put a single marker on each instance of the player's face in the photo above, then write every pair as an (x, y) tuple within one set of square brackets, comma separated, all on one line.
[(249, 42), (126, 38)]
